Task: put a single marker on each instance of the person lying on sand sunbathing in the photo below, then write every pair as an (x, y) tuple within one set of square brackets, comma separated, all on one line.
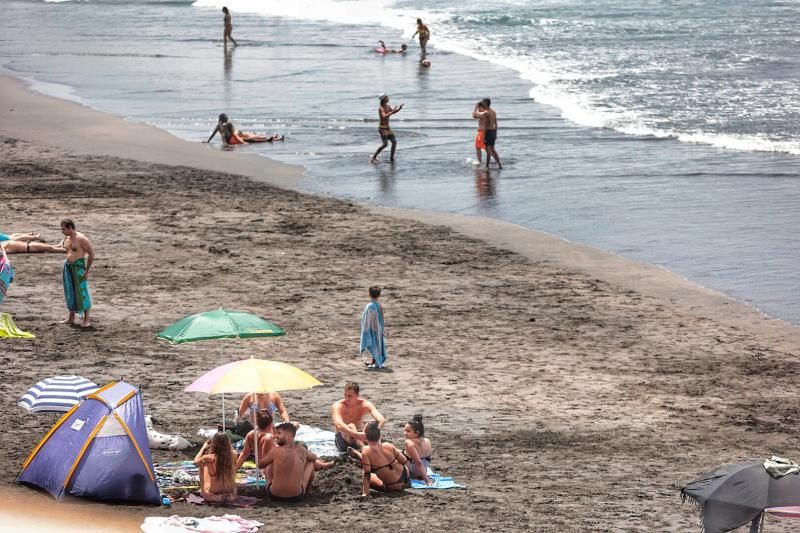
[(266, 441), (348, 418), (417, 449), (385, 468), (230, 135), (25, 243), (24, 237), (291, 467), (216, 462)]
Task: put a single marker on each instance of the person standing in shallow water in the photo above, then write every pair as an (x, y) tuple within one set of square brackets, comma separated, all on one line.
[(487, 119), (228, 28), (80, 256), (384, 112), (424, 35)]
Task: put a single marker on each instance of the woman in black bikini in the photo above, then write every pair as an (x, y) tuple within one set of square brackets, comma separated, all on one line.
[(385, 468), (418, 450)]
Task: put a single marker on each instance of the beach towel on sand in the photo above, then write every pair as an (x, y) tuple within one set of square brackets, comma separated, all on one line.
[(229, 523), (9, 330), (439, 482), (6, 274), (76, 290), (372, 333)]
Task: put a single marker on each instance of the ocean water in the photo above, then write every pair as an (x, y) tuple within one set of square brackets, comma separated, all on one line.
[(666, 131)]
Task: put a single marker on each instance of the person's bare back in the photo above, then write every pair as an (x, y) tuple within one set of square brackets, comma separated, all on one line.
[(292, 466), (489, 120)]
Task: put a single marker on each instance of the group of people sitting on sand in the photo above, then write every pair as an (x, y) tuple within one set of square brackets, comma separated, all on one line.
[(289, 467)]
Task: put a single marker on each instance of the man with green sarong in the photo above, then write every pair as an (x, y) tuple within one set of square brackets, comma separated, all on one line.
[(80, 256)]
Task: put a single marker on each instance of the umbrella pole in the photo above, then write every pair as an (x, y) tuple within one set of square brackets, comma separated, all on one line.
[(222, 358), (258, 470)]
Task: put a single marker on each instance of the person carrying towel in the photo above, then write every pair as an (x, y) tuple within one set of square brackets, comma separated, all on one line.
[(372, 335), (80, 256)]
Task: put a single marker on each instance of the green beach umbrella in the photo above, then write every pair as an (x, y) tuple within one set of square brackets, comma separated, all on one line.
[(219, 324)]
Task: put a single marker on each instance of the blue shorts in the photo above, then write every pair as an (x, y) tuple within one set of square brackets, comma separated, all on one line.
[(490, 137), (4, 237)]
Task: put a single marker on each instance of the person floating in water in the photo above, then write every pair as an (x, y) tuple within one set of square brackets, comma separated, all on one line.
[(381, 49), (424, 35), (384, 112), (228, 29), (230, 135)]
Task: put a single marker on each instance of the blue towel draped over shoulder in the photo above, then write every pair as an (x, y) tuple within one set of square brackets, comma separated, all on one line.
[(372, 333)]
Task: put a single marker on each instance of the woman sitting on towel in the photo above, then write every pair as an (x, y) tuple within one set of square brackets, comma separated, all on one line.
[(216, 462), (418, 449), (385, 468)]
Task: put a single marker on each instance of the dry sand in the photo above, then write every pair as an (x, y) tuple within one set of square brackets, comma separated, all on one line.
[(569, 389)]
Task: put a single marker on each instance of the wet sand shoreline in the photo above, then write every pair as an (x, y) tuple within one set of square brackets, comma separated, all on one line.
[(553, 378)]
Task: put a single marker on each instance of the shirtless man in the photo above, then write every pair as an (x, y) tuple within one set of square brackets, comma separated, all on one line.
[(384, 112), (291, 467), (488, 119), (348, 418), (228, 29), (80, 256), (266, 441)]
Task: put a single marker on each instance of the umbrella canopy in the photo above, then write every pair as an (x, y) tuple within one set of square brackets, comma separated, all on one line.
[(734, 495), (57, 394), (253, 375), (219, 324)]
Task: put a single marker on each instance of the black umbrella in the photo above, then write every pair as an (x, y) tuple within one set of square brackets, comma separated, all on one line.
[(733, 495)]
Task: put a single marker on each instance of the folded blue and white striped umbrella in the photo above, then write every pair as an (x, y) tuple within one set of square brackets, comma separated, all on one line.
[(57, 394)]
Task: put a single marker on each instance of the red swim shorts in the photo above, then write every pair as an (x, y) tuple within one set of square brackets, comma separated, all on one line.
[(479, 140)]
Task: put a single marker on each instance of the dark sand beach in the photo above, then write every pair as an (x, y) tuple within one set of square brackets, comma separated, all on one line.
[(568, 389)]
